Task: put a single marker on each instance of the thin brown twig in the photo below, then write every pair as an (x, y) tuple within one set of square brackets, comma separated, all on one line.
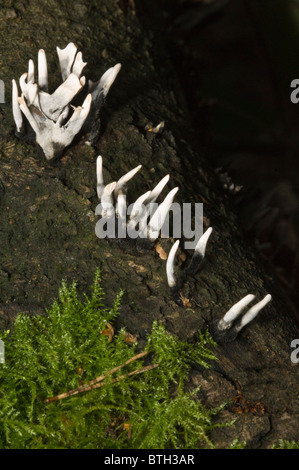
[(96, 382), (103, 376)]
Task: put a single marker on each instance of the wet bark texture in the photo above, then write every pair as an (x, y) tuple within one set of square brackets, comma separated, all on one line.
[(47, 230)]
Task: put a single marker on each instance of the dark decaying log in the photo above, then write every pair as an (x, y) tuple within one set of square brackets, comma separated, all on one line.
[(47, 230)]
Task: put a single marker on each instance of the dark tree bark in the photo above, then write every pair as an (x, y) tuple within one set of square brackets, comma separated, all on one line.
[(47, 230)]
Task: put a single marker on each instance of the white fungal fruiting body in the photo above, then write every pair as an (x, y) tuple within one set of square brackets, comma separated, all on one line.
[(66, 58), (155, 193), (125, 179), (171, 279), (253, 312), (234, 312), (100, 180), (138, 208), (47, 113), (226, 326), (200, 248), (142, 207), (114, 195), (17, 114), (195, 263), (42, 70), (107, 200), (157, 220), (103, 85), (121, 211)]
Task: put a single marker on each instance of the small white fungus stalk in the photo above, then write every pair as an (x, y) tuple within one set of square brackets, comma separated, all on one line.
[(171, 279), (155, 193), (253, 312), (226, 322), (28, 115), (141, 208), (29, 90), (121, 212), (78, 65), (100, 179), (17, 114), (47, 113), (121, 183), (30, 78), (77, 119), (107, 200), (228, 328), (103, 85), (138, 207), (201, 245), (157, 220), (42, 70), (66, 58)]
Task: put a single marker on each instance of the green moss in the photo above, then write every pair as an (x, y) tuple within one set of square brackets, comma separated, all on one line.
[(47, 355), (284, 444)]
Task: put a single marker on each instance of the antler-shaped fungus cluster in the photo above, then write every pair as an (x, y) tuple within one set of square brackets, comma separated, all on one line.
[(56, 122), (227, 328), (140, 223), (51, 116)]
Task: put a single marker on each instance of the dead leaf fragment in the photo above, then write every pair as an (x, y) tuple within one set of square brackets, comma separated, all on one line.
[(109, 331), (161, 252), (185, 301), (129, 338)]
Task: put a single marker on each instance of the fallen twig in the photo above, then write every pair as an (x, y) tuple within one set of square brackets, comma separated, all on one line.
[(98, 382)]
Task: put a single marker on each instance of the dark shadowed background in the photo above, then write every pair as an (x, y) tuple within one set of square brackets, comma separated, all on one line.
[(236, 60)]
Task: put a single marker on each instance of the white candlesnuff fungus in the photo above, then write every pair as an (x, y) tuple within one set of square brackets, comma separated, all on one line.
[(192, 269), (155, 193), (113, 194), (52, 116), (227, 328), (102, 86), (107, 201), (138, 207), (226, 322), (121, 212), (30, 77), (253, 312), (201, 245), (42, 68), (17, 113), (199, 254), (100, 179), (157, 220), (122, 182), (52, 136), (171, 279), (113, 202), (99, 91), (142, 207), (66, 58)]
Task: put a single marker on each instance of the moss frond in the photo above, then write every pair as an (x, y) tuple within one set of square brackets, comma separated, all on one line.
[(49, 355)]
